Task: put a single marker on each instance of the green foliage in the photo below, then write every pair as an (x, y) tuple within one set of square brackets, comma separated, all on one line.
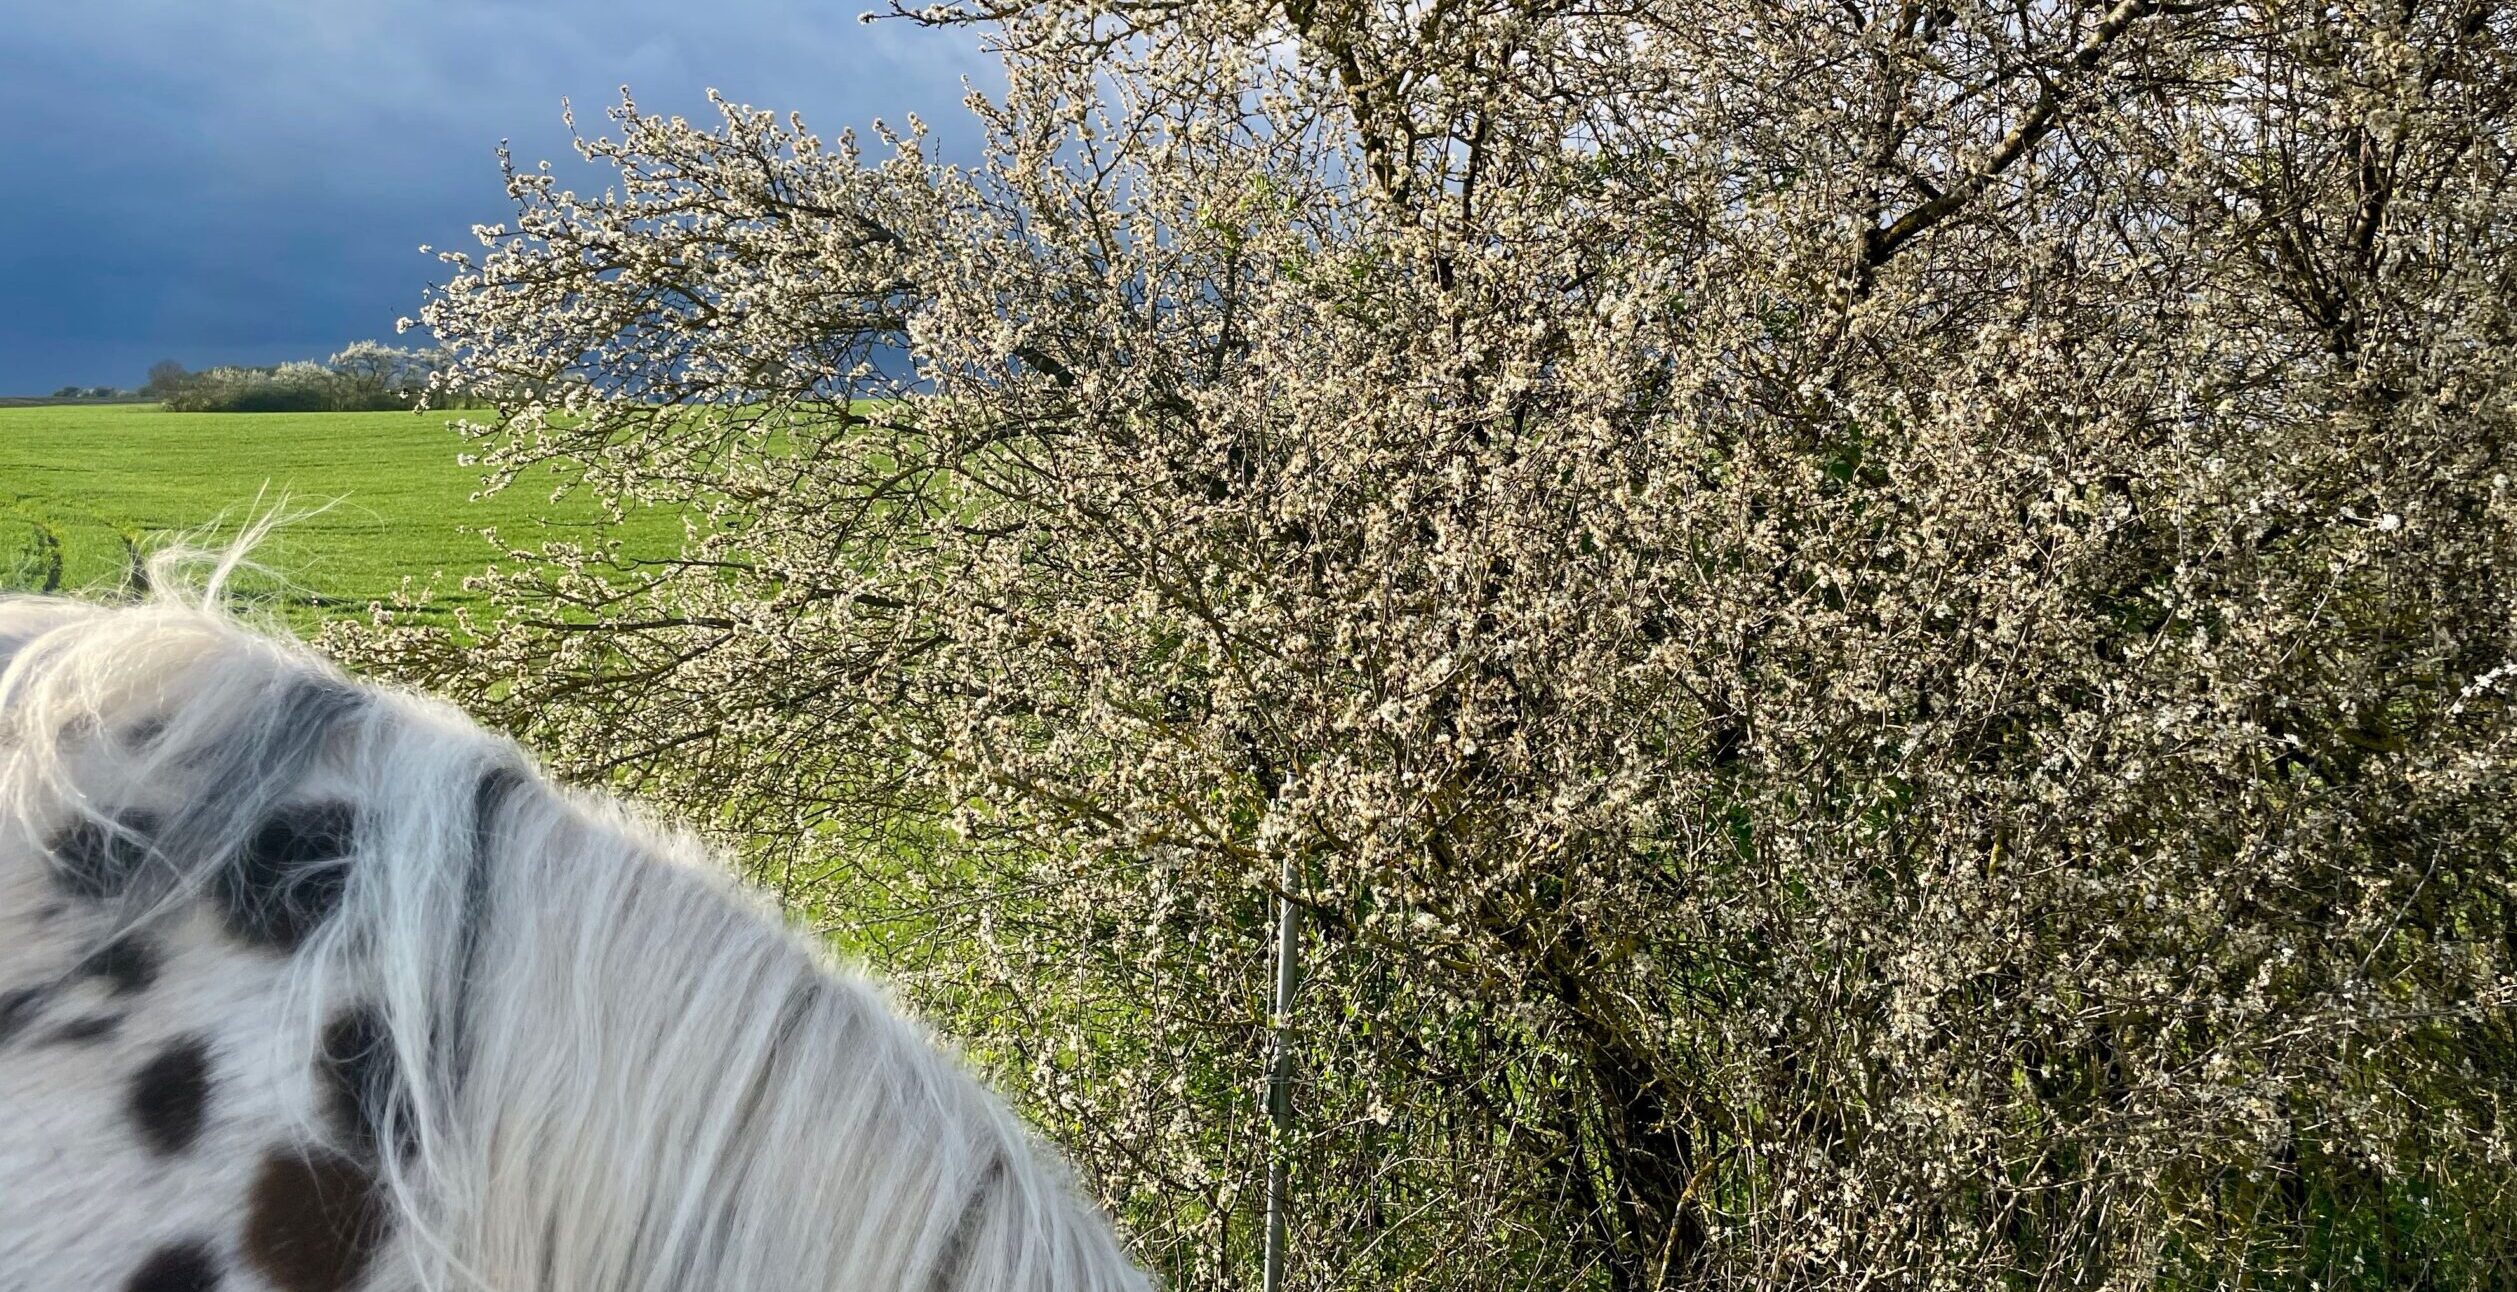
[(85, 491), (255, 397), (29, 558)]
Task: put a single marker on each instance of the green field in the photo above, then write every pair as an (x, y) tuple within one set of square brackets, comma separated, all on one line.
[(86, 490)]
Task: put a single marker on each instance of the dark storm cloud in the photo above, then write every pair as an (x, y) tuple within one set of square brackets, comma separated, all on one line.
[(249, 180)]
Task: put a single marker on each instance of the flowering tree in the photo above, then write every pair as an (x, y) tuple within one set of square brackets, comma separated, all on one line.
[(1874, 638), (366, 377), (370, 374)]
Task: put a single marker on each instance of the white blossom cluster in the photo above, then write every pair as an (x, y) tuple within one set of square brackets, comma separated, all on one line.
[(1876, 632)]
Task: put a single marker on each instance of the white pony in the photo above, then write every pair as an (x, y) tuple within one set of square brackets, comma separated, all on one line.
[(311, 985)]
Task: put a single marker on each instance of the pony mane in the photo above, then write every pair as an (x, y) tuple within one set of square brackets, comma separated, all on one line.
[(610, 1067)]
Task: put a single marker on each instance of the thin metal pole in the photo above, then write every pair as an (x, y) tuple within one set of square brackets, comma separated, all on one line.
[(1280, 1081)]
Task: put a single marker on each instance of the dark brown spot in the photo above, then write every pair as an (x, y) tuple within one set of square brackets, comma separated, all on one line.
[(97, 861), (956, 1254), (170, 1097), (19, 1008), (315, 1221), (128, 963), (177, 1267), (289, 878), (80, 1031), (360, 1081)]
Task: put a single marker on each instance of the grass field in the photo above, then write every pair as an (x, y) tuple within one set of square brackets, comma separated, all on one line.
[(85, 490)]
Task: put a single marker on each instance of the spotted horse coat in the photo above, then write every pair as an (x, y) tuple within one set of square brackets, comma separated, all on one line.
[(310, 986)]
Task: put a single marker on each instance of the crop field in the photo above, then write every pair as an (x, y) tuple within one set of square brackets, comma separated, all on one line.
[(86, 491)]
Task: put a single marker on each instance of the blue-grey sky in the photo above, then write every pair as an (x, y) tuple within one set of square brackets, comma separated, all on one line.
[(246, 181)]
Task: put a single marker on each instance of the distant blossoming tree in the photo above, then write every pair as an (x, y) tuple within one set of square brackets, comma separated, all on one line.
[(367, 376), (371, 374), (1876, 637)]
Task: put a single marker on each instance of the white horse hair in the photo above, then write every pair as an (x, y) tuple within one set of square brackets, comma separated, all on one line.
[(309, 983)]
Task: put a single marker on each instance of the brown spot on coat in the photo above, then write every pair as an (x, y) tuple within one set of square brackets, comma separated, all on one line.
[(315, 1220), (81, 1031), (290, 876), (361, 1082), (97, 861), (19, 1008), (178, 1267), (170, 1097), (128, 964)]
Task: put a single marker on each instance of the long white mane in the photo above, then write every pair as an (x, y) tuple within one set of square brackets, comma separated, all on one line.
[(605, 1068)]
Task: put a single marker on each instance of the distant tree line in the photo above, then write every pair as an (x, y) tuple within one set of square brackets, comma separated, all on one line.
[(367, 376)]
